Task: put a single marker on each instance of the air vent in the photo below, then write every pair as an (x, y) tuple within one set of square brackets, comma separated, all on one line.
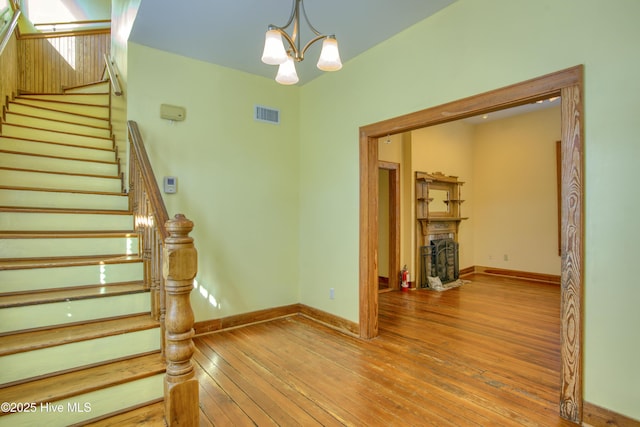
[(266, 114)]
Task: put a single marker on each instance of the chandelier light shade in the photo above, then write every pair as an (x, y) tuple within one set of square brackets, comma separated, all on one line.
[(329, 56), (287, 72), (275, 52)]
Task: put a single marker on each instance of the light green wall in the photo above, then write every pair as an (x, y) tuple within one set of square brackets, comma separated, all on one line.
[(237, 178), (468, 48), (123, 14)]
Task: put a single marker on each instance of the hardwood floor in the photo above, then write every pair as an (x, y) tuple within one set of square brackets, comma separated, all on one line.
[(485, 354)]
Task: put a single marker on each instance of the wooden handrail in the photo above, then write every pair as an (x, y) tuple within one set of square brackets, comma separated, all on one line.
[(91, 21), (10, 30), (170, 266), (159, 210), (71, 33), (113, 76)]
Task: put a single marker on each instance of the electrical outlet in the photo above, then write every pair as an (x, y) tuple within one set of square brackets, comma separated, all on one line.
[(332, 293)]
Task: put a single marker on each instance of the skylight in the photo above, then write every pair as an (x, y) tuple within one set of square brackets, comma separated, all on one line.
[(67, 15)]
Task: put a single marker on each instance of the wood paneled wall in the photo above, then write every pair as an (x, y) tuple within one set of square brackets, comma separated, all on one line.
[(9, 70), (46, 65)]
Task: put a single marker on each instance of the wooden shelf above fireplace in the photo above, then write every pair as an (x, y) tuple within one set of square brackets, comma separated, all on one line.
[(443, 219)]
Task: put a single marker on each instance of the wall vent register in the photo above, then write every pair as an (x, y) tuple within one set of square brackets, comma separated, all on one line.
[(266, 114)]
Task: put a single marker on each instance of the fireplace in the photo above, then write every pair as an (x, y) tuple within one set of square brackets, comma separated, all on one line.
[(439, 259), (439, 214)]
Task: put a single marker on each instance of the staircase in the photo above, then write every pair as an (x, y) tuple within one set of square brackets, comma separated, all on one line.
[(77, 342)]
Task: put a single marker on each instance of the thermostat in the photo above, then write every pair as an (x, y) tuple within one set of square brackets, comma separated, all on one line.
[(170, 184)]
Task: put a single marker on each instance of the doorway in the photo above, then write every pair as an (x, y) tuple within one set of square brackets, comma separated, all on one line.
[(569, 85), (389, 229)]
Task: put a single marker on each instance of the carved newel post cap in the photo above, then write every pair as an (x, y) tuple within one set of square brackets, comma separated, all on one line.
[(179, 226), (180, 256)]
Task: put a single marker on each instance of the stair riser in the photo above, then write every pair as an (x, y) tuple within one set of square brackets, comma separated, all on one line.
[(61, 313), (60, 277), (102, 402), (35, 122), (59, 181), (86, 110), (20, 366), (22, 161), (12, 131), (56, 115), (43, 199), (91, 99), (40, 248), (31, 221), (74, 152)]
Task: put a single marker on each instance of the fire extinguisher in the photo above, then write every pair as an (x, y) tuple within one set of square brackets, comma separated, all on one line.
[(404, 278)]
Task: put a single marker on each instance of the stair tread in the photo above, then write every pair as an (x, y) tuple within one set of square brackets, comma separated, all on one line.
[(73, 159), (57, 190), (106, 127), (45, 234), (71, 384), (44, 338), (105, 138), (63, 210), (84, 175), (41, 141), (67, 89), (50, 97), (147, 416), (45, 296), (24, 264), (56, 110)]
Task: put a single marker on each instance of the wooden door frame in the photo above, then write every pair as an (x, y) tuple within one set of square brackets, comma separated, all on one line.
[(394, 222), (569, 85)]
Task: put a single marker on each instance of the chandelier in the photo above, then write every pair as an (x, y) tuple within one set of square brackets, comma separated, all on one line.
[(275, 53)]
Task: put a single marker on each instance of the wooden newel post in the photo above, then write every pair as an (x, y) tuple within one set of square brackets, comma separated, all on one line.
[(179, 270)]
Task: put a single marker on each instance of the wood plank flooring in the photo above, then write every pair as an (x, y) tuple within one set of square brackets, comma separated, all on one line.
[(485, 354)]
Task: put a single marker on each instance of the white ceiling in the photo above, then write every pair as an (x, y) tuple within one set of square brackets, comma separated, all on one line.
[(231, 32), (514, 111)]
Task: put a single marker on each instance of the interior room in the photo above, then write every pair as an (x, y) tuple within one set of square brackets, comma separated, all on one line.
[(257, 211), (513, 155)]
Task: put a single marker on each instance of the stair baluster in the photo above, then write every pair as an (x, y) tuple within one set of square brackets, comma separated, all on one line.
[(151, 216)]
